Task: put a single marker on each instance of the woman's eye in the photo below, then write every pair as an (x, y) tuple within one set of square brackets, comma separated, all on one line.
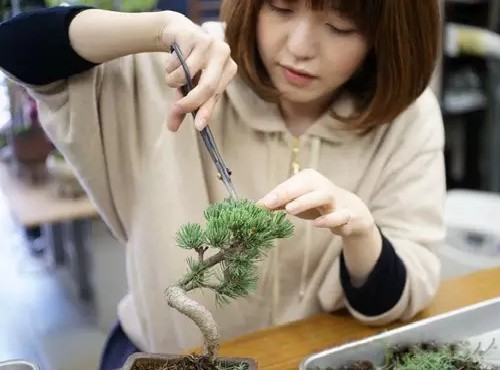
[(279, 9), (340, 31)]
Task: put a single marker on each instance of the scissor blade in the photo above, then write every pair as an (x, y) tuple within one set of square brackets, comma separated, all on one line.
[(223, 171), (228, 183)]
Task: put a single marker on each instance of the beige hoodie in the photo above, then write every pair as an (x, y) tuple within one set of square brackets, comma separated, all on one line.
[(110, 124)]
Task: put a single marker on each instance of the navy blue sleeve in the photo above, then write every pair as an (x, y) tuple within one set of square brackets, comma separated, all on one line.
[(384, 286), (35, 45)]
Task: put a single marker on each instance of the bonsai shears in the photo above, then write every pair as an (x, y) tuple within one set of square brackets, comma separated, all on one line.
[(223, 172)]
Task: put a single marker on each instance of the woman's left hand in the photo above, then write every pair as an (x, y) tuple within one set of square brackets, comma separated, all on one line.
[(310, 195)]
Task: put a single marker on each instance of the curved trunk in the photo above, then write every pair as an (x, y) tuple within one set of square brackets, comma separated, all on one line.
[(178, 299)]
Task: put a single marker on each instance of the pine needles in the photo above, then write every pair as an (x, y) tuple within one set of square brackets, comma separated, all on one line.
[(241, 234)]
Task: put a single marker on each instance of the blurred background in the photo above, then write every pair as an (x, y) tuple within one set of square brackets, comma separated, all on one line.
[(62, 273)]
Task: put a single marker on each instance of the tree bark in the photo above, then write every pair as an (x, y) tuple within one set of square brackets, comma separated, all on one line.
[(178, 299)]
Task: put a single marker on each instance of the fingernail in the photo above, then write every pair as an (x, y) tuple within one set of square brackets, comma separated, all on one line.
[(270, 200), (201, 124), (292, 207)]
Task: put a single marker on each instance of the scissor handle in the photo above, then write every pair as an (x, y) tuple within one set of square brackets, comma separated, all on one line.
[(224, 173)]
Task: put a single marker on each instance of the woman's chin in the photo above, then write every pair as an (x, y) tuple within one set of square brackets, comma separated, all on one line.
[(303, 97)]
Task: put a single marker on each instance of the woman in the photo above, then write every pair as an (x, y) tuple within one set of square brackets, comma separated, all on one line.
[(328, 117)]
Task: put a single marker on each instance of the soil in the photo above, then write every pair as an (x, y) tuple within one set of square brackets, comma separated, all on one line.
[(185, 363), (360, 365)]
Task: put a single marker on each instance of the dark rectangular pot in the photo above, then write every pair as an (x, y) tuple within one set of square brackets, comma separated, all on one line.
[(160, 359)]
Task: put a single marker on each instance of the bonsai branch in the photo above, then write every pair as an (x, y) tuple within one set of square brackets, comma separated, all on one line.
[(192, 286), (177, 298), (211, 262), (201, 252)]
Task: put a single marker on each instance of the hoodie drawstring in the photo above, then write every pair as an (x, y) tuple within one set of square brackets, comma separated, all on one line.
[(274, 274), (313, 163), (275, 255)]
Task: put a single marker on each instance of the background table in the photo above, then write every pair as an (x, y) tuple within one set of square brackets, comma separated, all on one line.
[(66, 224)]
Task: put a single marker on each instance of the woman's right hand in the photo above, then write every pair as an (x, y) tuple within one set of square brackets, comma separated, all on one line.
[(210, 65)]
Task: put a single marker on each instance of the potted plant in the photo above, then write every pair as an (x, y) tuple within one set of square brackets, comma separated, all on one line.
[(239, 233), (30, 145)]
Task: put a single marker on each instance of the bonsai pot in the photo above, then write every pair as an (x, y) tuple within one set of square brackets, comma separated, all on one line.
[(31, 147), (18, 365), (154, 361)]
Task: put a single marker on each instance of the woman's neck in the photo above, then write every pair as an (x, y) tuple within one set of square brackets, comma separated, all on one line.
[(299, 117)]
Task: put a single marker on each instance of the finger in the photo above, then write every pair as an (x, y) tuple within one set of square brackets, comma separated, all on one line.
[(194, 63), (230, 69), (311, 200), (207, 86), (175, 116), (205, 113), (186, 45), (335, 219), (175, 120), (206, 89), (288, 191)]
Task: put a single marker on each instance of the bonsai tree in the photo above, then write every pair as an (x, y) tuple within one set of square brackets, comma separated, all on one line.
[(239, 234)]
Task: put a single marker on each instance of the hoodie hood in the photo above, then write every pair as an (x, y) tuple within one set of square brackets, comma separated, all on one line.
[(265, 116)]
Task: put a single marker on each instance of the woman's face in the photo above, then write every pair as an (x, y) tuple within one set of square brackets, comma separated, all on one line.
[(307, 54)]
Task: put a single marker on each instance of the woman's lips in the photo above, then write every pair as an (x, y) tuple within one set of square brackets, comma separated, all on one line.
[(296, 77)]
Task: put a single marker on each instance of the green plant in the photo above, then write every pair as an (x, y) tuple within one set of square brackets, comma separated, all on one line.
[(428, 356), (431, 356), (443, 359), (240, 234)]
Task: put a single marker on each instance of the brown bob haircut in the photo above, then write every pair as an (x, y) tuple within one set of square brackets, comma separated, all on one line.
[(405, 40)]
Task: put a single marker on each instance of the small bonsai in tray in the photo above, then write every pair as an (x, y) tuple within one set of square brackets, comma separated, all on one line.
[(239, 234), (428, 356)]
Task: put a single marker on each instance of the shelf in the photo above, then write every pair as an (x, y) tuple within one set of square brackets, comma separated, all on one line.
[(464, 102), (466, 1)]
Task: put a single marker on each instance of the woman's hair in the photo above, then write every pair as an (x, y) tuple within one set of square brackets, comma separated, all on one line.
[(404, 37)]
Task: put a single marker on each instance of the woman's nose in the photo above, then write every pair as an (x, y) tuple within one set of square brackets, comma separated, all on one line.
[(301, 42)]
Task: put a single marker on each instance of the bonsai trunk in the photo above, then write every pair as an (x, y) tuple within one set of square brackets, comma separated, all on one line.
[(178, 299)]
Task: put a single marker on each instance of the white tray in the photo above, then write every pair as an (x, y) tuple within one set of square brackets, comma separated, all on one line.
[(475, 323)]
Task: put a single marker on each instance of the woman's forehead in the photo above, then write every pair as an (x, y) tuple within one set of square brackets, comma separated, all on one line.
[(338, 5), (356, 10)]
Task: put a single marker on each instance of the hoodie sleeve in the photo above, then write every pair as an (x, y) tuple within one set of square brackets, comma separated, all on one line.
[(407, 204), (35, 45)]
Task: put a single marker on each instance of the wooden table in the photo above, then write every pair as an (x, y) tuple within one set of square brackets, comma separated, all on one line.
[(39, 205), (66, 224), (283, 348)]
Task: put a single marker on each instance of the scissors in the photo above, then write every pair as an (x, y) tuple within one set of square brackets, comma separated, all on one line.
[(223, 172)]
